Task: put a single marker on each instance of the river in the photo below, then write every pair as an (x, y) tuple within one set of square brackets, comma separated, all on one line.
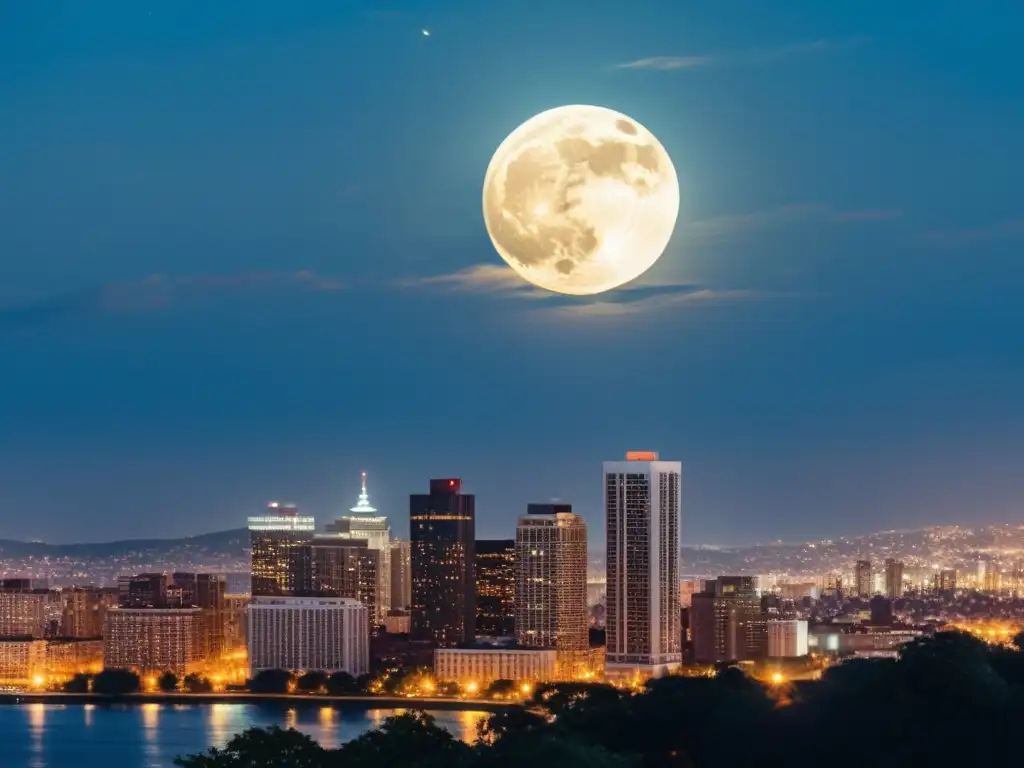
[(53, 735)]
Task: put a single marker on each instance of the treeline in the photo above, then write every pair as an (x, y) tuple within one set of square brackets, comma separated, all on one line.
[(949, 699), (116, 682)]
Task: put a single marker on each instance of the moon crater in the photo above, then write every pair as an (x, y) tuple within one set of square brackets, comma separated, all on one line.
[(580, 200)]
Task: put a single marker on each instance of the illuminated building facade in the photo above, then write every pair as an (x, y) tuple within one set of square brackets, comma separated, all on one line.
[(34, 614), (348, 568), (727, 623), (401, 575), (787, 639), (151, 640), (893, 578), (34, 662), (84, 610), (483, 666), (551, 585), (947, 580), (642, 509), (328, 634), (364, 524), (495, 587), (442, 536), (206, 591), (236, 607), (862, 578), (280, 552)]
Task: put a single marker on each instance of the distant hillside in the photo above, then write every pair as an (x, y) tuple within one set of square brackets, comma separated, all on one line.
[(226, 543)]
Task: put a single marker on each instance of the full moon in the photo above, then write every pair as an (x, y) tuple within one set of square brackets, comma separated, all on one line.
[(580, 200)]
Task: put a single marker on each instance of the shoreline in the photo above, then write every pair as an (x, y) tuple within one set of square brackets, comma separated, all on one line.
[(361, 702)]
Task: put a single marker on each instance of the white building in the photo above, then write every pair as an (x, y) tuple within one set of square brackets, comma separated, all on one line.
[(364, 523), (787, 638), (472, 666), (642, 508), (310, 634)]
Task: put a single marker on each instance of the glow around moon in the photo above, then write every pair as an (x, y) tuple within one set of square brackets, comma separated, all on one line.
[(580, 200)]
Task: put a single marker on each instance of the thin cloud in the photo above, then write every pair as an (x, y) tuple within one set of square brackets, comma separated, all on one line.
[(696, 297), (995, 232), (157, 292), (748, 58), (495, 278)]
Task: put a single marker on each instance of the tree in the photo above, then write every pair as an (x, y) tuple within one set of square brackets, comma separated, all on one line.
[(168, 682), (341, 684), (311, 682), (270, 681), (500, 689), (509, 722), (116, 682), (262, 748), (78, 684), (412, 738), (197, 684)]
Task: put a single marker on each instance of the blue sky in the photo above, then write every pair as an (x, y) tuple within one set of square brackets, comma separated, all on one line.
[(242, 258)]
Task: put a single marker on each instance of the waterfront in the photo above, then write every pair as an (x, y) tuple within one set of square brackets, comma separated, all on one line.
[(151, 735)]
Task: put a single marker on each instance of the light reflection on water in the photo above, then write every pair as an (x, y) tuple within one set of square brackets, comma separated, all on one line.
[(151, 735)]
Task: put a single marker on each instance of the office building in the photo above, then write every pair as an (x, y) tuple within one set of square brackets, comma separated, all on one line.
[(495, 587), (881, 611), (727, 623), (787, 639), (236, 607), (281, 557), (478, 667), (551, 585), (152, 640), (401, 575), (205, 591), (364, 524), (328, 634), (862, 578), (947, 580), (442, 535), (30, 614), (83, 612), (144, 590), (344, 567), (893, 578), (642, 509)]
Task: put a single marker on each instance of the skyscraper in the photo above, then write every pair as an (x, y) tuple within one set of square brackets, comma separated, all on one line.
[(442, 535), (551, 585), (495, 587), (401, 575), (347, 568), (893, 578), (365, 524), (641, 499), (281, 558), (862, 578)]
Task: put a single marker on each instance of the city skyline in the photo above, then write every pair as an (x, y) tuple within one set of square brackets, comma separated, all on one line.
[(233, 264)]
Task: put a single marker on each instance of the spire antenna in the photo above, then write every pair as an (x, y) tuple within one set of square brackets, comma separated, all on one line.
[(364, 500)]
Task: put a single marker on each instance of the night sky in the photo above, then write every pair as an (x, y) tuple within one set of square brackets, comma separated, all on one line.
[(242, 258)]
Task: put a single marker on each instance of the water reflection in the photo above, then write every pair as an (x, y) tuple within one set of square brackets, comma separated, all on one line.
[(469, 722), (87, 710), (151, 735), (36, 730)]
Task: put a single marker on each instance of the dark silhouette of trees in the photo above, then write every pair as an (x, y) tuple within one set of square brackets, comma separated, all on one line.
[(342, 684), (311, 682), (168, 682), (500, 689), (78, 684), (270, 681), (116, 682), (197, 684), (945, 695)]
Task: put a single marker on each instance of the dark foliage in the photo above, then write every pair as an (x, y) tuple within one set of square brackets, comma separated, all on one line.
[(78, 684), (115, 682), (946, 695), (168, 682), (311, 682), (197, 684), (343, 684), (270, 681)]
